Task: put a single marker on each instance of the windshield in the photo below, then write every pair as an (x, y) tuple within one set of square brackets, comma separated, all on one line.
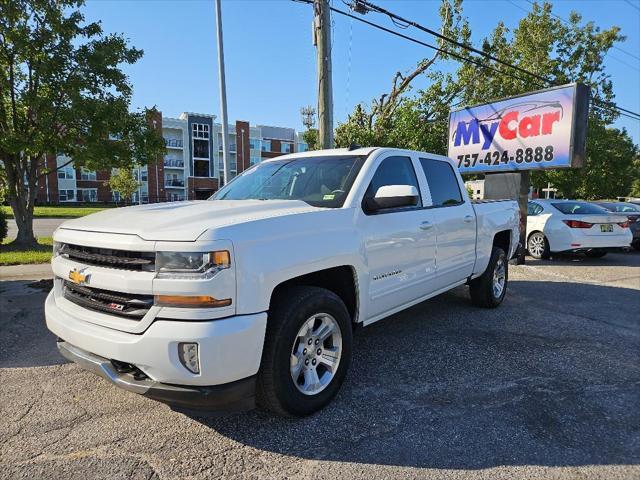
[(621, 207), (579, 208), (318, 181)]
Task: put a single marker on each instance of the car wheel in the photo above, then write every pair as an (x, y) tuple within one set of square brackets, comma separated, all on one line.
[(538, 246), (307, 351), (636, 245), (489, 289), (595, 253)]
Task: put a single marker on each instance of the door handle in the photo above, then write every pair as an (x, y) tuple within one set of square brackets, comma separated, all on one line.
[(426, 225), (468, 218)]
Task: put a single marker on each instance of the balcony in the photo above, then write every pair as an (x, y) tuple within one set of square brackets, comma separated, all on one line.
[(173, 183), (173, 163), (173, 143)]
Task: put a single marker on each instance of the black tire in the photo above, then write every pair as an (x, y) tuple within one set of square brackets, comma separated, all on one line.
[(595, 253), (481, 288), (543, 254), (636, 245), (290, 309)]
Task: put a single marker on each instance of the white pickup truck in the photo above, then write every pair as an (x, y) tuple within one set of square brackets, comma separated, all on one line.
[(254, 293)]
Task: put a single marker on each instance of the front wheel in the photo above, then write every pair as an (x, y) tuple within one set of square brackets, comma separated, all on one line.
[(489, 289), (307, 351)]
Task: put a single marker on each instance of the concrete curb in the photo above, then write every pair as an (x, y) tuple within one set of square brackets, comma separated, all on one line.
[(37, 271)]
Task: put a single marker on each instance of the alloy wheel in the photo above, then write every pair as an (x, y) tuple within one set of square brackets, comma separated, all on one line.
[(536, 245), (499, 277), (315, 354)]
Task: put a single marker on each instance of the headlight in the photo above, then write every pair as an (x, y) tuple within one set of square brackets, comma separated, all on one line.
[(196, 265), (57, 246)]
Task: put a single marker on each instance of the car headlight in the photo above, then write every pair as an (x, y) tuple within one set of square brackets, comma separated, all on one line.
[(57, 246), (191, 265)]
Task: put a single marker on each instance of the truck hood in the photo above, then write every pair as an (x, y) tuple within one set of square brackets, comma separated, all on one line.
[(183, 221)]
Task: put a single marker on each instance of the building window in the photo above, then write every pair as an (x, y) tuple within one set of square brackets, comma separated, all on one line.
[(200, 130), (303, 147), (254, 160), (116, 196), (144, 175), (66, 173), (200, 148), (286, 147), (201, 168), (87, 174), (67, 195), (254, 143), (266, 145), (87, 194)]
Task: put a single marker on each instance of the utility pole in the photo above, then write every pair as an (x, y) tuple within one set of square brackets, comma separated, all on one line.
[(322, 41), (223, 97)]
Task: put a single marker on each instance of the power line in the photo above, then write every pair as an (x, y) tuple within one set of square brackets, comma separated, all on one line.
[(470, 48), (414, 40), (603, 104), (364, 6), (633, 5)]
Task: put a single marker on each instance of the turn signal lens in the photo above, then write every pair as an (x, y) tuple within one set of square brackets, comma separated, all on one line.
[(191, 301), (624, 225), (221, 258), (577, 224)]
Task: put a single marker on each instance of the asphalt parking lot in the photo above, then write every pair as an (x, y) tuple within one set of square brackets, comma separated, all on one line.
[(546, 386)]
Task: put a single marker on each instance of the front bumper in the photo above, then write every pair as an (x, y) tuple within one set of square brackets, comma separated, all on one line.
[(238, 395), (230, 349)]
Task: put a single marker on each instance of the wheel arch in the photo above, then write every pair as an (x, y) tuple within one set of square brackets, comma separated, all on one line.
[(503, 240), (341, 280)]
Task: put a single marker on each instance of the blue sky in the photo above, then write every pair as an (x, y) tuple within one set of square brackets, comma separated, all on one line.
[(270, 61)]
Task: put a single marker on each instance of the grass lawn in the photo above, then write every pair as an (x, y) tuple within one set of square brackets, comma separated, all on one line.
[(10, 255), (57, 212)]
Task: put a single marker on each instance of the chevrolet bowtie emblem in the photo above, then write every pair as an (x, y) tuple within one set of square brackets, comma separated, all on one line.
[(77, 277)]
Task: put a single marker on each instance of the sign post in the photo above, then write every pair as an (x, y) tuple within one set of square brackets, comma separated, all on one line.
[(540, 130)]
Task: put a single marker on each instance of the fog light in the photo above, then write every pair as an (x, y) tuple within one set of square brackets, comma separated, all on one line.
[(188, 355)]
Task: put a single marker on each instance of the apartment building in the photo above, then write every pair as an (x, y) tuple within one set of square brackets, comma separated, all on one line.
[(192, 167)]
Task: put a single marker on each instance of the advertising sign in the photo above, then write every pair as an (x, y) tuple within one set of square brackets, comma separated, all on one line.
[(539, 130)]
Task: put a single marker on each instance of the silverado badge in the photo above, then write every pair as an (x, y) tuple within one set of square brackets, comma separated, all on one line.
[(78, 277)]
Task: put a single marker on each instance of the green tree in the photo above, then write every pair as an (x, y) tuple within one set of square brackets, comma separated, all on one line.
[(124, 183), (62, 92), (611, 166), (541, 43)]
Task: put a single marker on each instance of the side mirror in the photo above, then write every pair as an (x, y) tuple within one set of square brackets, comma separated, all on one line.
[(393, 196)]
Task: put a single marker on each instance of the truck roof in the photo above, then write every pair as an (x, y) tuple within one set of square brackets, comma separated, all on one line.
[(344, 152)]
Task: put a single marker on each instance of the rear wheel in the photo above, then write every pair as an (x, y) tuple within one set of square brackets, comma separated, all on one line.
[(489, 289), (636, 244), (595, 253), (307, 351), (538, 246)]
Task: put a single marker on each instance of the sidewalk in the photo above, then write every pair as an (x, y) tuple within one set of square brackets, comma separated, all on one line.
[(37, 271)]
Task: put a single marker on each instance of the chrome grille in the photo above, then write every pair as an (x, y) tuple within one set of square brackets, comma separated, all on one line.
[(115, 303), (105, 257)]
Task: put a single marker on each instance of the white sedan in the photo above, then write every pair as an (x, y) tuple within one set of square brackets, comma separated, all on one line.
[(573, 226)]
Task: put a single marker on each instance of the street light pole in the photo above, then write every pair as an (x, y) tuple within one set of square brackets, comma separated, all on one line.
[(223, 96)]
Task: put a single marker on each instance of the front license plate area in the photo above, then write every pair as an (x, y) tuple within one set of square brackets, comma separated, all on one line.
[(606, 228)]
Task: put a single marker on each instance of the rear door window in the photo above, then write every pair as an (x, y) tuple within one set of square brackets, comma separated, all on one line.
[(443, 183), (534, 209)]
